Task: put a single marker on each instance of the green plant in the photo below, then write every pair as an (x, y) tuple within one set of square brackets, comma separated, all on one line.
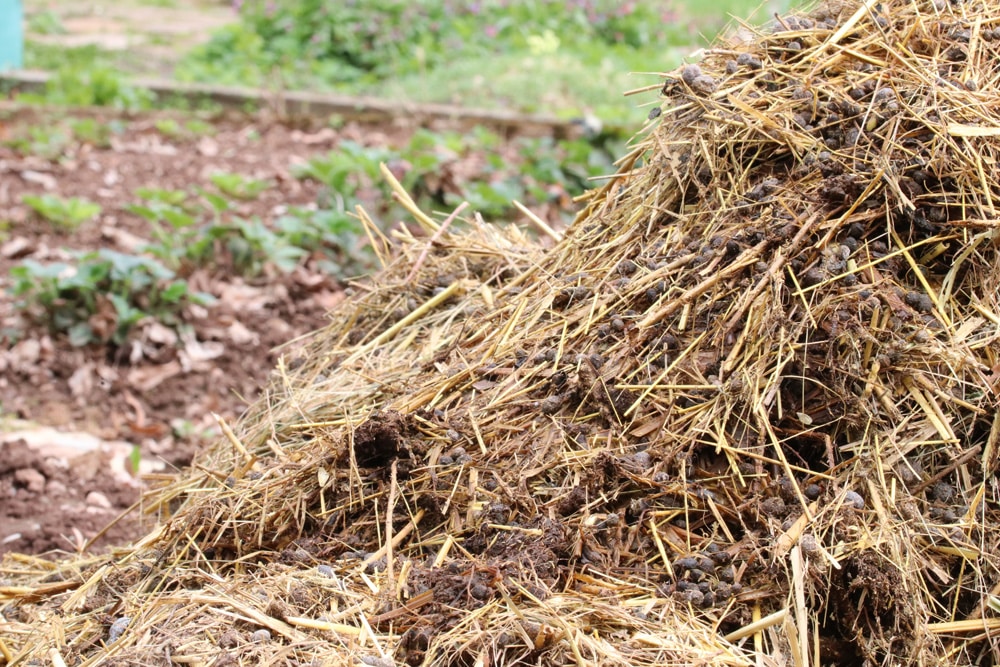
[(52, 140), (49, 141), (253, 245), (173, 224), (51, 57), (330, 237), (134, 460), (239, 186), (46, 23), (102, 295), (185, 429), (174, 129), (340, 169), (91, 84), (163, 196), (96, 133), (169, 127), (384, 46), (199, 128), (187, 233), (63, 213)]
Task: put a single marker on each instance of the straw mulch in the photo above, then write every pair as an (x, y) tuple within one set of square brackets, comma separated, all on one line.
[(744, 412)]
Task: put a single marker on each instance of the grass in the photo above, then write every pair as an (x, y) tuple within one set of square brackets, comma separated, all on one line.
[(533, 60), (563, 58), (569, 79), (559, 83)]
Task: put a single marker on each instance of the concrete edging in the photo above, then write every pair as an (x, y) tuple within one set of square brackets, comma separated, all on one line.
[(309, 104)]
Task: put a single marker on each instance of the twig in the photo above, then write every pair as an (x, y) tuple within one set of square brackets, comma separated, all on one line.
[(437, 235)]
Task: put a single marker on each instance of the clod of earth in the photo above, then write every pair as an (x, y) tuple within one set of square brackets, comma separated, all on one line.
[(744, 412)]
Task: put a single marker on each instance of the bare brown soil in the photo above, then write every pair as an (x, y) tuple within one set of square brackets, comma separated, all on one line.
[(153, 392), (51, 503)]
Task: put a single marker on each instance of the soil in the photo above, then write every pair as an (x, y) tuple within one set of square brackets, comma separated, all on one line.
[(157, 395), (154, 392), (63, 503)]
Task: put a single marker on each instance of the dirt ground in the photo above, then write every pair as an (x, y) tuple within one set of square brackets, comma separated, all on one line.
[(71, 417), (155, 394)]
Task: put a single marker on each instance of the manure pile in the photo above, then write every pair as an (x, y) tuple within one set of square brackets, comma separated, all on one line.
[(743, 413)]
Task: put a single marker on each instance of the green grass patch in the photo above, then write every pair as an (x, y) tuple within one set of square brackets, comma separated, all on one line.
[(65, 213), (534, 55)]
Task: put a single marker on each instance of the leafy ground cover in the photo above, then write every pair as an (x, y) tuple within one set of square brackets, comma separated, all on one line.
[(537, 56), (557, 57)]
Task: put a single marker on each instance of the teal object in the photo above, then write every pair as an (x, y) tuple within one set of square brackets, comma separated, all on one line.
[(11, 34)]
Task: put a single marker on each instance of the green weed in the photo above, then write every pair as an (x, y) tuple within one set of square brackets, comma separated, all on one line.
[(239, 186), (563, 56), (68, 296), (174, 129), (49, 142), (66, 214), (330, 237), (90, 83), (46, 23), (96, 133)]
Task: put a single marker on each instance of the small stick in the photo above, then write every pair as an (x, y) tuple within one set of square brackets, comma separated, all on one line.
[(970, 625), (396, 541), (231, 437), (801, 617), (389, 333), (404, 198), (757, 626), (393, 493), (56, 658), (416, 602), (538, 222), (437, 235), (5, 652), (964, 458)]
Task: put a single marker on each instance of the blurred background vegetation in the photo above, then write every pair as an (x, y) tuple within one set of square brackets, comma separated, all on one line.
[(569, 58), (565, 57)]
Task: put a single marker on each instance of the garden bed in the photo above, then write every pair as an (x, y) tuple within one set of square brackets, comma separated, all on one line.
[(96, 178)]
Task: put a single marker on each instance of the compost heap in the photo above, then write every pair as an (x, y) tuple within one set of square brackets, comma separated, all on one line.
[(744, 411)]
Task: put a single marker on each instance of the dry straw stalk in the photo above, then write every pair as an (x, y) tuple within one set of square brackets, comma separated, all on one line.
[(741, 412)]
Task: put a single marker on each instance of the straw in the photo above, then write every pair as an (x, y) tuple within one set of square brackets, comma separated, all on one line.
[(740, 412)]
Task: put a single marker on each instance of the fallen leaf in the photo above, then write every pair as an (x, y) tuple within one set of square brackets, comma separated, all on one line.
[(25, 354), (278, 327), (243, 298), (133, 402), (17, 247), (328, 300), (196, 353), (145, 146), (47, 181), (309, 279), (157, 333), (81, 382), (208, 147), (107, 375), (104, 321), (147, 378), (325, 135), (123, 239), (240, 335)]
